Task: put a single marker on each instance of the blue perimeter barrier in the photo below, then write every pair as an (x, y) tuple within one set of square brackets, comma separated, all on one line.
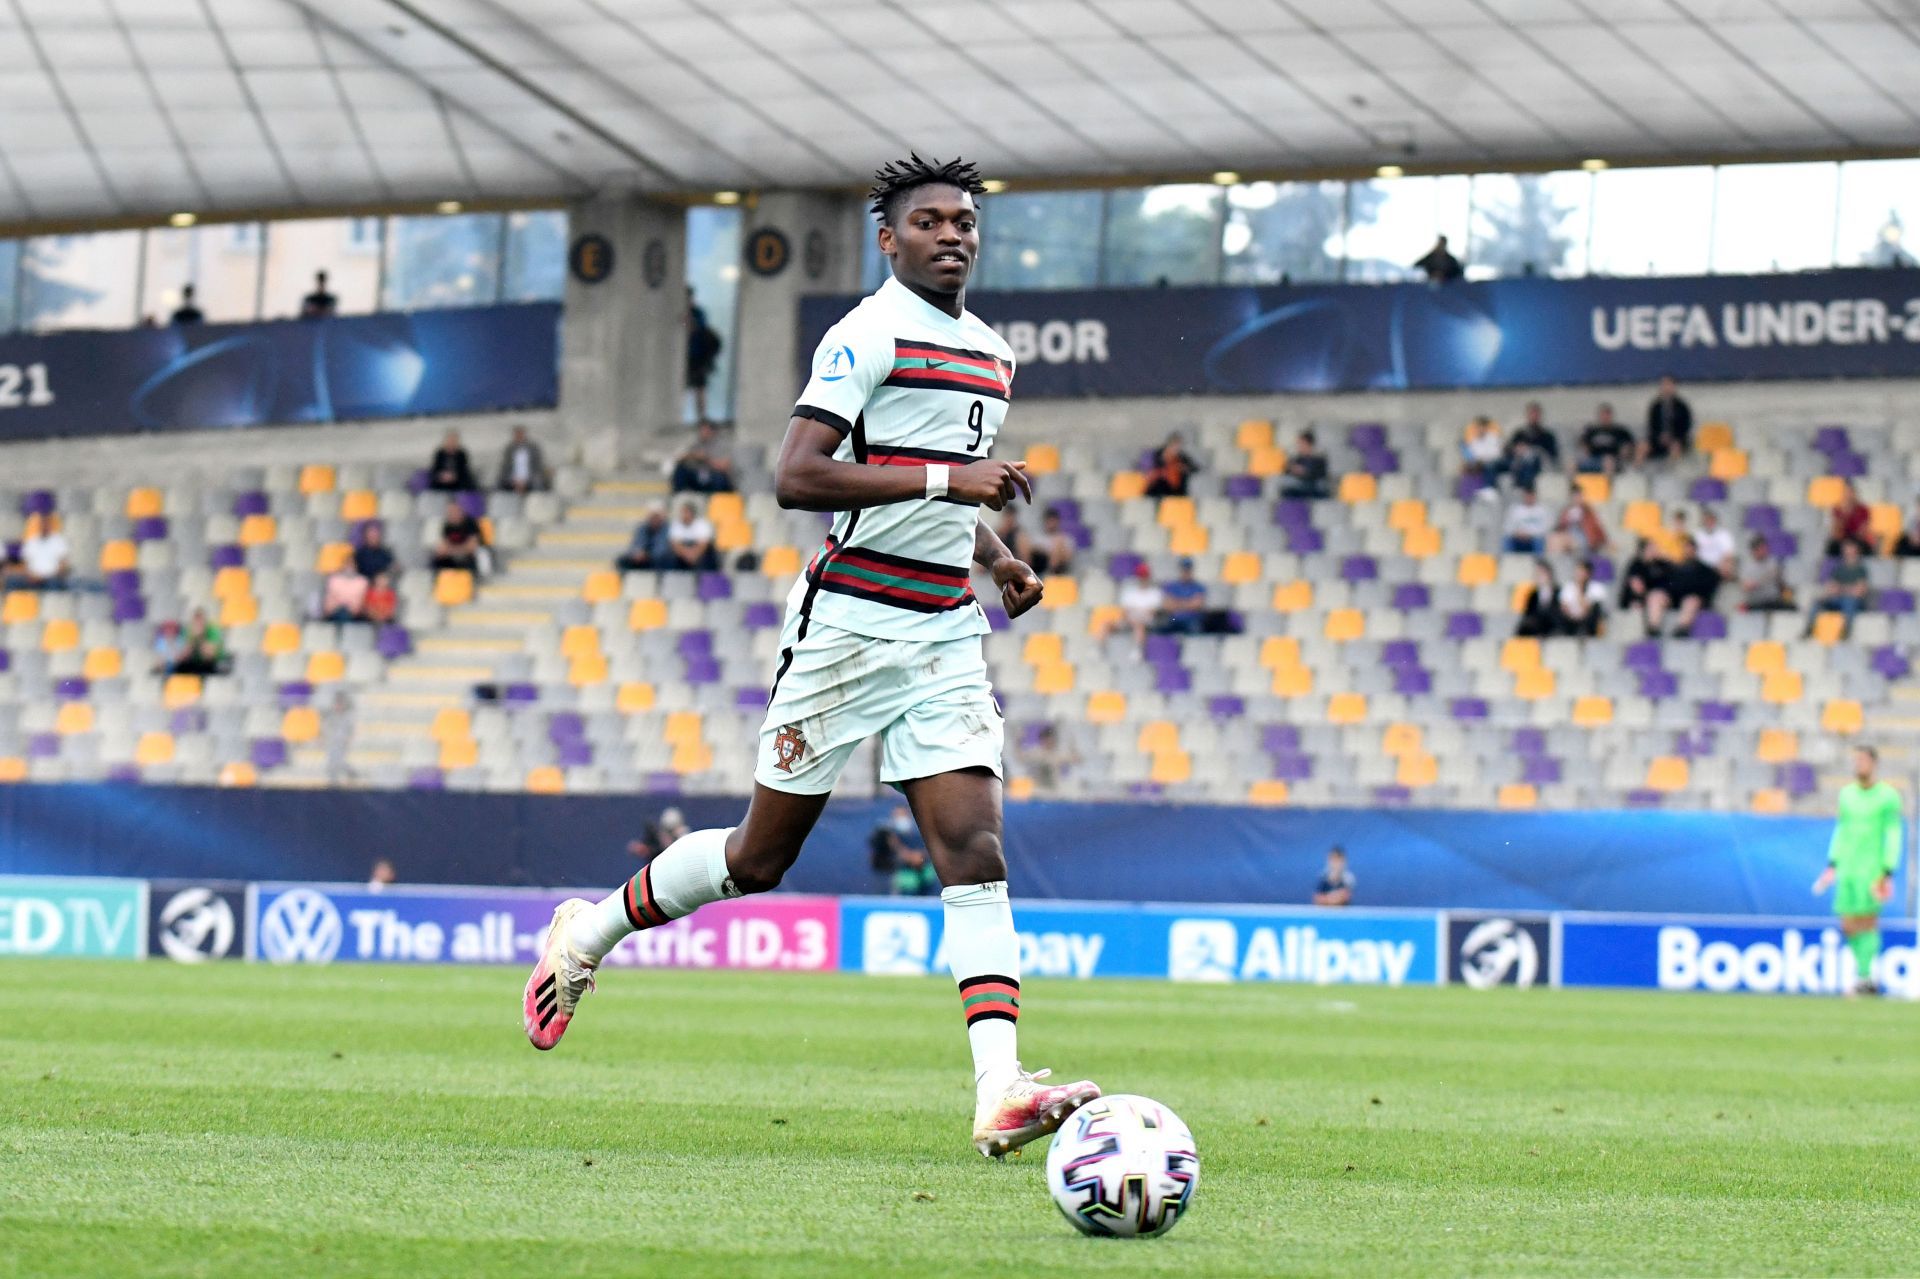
[(327, 923), (1691, 863)]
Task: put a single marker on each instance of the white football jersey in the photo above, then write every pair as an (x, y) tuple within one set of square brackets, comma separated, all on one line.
[(905, 384)]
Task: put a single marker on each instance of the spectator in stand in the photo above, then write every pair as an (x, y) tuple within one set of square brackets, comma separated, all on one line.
[(1013, 535), (1183, 608), (461, 540), (703, 352), (913, 876), (1715, 545), (1847, 590), (167, 647), (649, 548), (1669, 424), (372, 558), (889, 841), (382, 875), (659, 834), (523, 467), (1687, 592), (705, 466), (1583, 603), (1540, 614), (1849, 521), (1605, 446), (1645, 573), (1307, 472), (1439, 264), (1578, 530), (1535, 435), (1139, 603), (383, 601), (1053, 553), (1763, 588), (1172, 467), (44, 563), (1048, 762), (1483, 453), (187, 312), (344, 598), (1336, 884), (451, 471), (1526, 525), (1907, 545), (321, 303), (690, 538), (203, 649)]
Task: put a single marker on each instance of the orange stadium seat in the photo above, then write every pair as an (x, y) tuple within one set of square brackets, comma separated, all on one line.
[(1407, 513), (1766, 656), (546, 780), (691, 757), (459, 752), (1254, 433), (239, 610), (780, 561), (1240, 568), (1019, 788), (1782, 688), (1668, 773), (1170, 768), (1592, 712), (1126, 486), (19, 607), (1517, 795), (332, 557), (1728, 464), (1770, 801), (647, 615), (1416, 770), (1041, 648), (361, 504), (1712, 437), (452, 724), (682, 727), (1347, 708), (153, 748), (1054, 677), (1271, 792), (1477, 569), (452, 587), (1357, 487), (1597, 489), (1175, 512), (1194, 539), (1777, 746), (1158, 735), (12, 768), (1266, 462), (258, 530), (72, 718), (601, 587), (1843, 716), (1521, 653), (143, 503), (1292, 597), (281, 637), (1826, 490), (1828, 628), (101, 663), (1534, 685), (576, 641), (118, 556), (587, 670), (61, 635), (633, 698), (1060, 591), (300, 724), (1043, 459), (1278, 652), (180, 691), (326, 667), (1345, 624), (1401, 738), (239, 773), (1292, 681), (316, 477), (1106, 708)]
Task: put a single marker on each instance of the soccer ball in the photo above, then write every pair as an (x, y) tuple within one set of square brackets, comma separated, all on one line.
[(1123, 1166)]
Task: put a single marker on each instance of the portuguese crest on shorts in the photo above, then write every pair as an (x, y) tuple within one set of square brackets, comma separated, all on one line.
[(789, 744)]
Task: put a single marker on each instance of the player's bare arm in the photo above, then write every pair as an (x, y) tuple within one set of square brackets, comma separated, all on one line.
[(1020, 587)]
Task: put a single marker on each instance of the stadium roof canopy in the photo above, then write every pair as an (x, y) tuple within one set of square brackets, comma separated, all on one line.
[(128, 108)]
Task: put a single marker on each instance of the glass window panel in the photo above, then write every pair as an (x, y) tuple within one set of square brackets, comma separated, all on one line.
[(1795, 231), (9, 285), (1047, 240), (1879, 213), (1529, 224), (442, 260), (1652, 221), (713, 277), (347, 249), (1391, 222), (536, 265), (222, 266), (1163, 235), (80, 281), (1283, 229)]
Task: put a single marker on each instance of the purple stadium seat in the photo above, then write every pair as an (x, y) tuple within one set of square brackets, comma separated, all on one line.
[(1239, 487), (1797, 778), (296, 693), (129, 608), (1379, 461), (522, 693), (38, 502), (574, 753), (1707, 489), (1887, 660), (1412, 681), (1696, 745), (188, 719), (1146, 790), (1603, 570), (13, 550), (1468, 708), (1641, 797), (702, 670), (1172, 678), (150, 528), (1068, 508), (228, 556), (1541, 770), (426, 779), (393, 641), (715, 586), (694, 644), (1528, 741), (751, 699), (6, 660), (565, 726), (1226, 706), (1642, 656), (1161, 648), (1367, 435), (1412, 597), (1710, 626), (1894, 601), (1305, 541), (1359, 568), (1293, 512), (1293, 767), (1392, 795), (1761, 517), (1123, 564), (1716, 712), (1467, 487), (123, 773), (1831, 439), (997, 619), (1783, 545), (1465, 626), (1659, 684), (661, 783), (1849, 466), (123, 581), (70, 690), (1400, 652), (759, 616), (473, 502), (417, 482), (267, 752), (43, 746), (1276, 738), (245, 504)]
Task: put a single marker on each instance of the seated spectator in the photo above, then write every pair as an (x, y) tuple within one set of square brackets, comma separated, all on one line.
[(649, 548), (1540, 615), (1606, 447), (1172, 467), (1013, 535), (1054, 552), (913, 875), (344, 598), (705, 467), (1534, 434), (1578, 530), (690, 539), (1526, 525), (462, 541), (1483, 453), (1846, 591), (1669, 424), (202, 650), (1439, 264), (1907, 545), (451, 471), (1688, 591), (1183, 608), (1763, 588), (1336, 883), (167, 647), (188, 312), (889, 841), (1139, 603), (1645, 573), (1849, 521), (1583, 603), (1715, 545), (382, 602), (523, 467), (1307, 472), (372, 558), (43, 563), (320, 303), (1047, 761)]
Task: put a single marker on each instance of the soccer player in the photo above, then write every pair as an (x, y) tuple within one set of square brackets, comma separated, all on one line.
[(1861, 859), (882, 637)]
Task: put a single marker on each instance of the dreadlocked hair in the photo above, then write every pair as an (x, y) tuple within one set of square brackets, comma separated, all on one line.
[(898, 177)]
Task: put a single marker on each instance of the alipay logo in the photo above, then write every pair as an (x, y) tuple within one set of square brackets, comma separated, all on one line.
[(836, 364), (896, 943), (196, 925), (1202, 950), (1498, 951), (300, 927)]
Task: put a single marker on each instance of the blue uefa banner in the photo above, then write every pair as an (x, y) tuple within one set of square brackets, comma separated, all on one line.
[(1333, 337), (1187, 943), (197, 377), (1788, 956)]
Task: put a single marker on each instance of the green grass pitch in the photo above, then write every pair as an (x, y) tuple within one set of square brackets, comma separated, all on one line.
[(158, 1120)]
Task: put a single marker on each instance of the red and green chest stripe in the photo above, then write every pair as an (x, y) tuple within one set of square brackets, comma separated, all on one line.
[(927, 366), (890, 579)]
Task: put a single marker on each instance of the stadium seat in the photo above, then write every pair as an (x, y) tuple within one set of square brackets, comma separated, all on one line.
[(647, 615), (1266, 462), (780, 561), (1292, 681), (316, 477), (1517, 795), (1407, 513), (326, 667), (682, 727), (1828, 628), (1357, 487), (577, 641), (239, 773), (1667, 773), (1175, 512), (458, 752), (19, 607), (1421, 543), (1241, 568), (60, 635), (1597, 489), (1770, 801), (634, 697), (1416, 769), (119, 556), (1535, 685), (144, 503), (1777, 746), (1782, 688), (1103, 619), (1477, 569), (259, 530), (1043, 459), (153, 748), (1158, 735), (601, 587), (1170, 768), (1269, 792), (1019, 788), (1106, 708), (452, 587), (1825, 491), (1842, 716), (452, 724), (723, 508), (280, 637), (1644, 519), (101, 663), (1592, 712), (1254, 433), (332, 557), (1520, 653), (1347, 708), (1061, 591), (1279, 652), (587, 670), (73, 718), (12, 768), (1292, 597), (546, 780), (1401, 738), (1041, 648), (1126, 486), (691, 757), (1712, 437), (1766, 656), (1053, 678), (1729, 464), (231, 581), (1344, 624), (1194, 539), (360, 504), (300, 724), (180, 691), (239, 610)]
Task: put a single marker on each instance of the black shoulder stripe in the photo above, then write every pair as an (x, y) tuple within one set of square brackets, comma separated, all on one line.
[(828, 416)]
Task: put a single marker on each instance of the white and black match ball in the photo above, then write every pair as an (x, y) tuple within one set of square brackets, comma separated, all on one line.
[(1124, 1167)]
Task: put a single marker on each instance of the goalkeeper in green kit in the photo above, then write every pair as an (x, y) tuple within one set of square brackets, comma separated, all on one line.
[(1861, 861)]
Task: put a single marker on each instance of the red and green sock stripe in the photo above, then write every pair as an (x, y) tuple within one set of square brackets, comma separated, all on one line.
[(642, 910), (990, 996)]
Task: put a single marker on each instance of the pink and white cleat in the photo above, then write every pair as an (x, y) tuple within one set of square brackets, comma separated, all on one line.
[(558, 981), (1024, 1111)]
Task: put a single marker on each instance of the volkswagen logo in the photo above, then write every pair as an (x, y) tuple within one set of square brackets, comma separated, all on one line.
[(300, 927)]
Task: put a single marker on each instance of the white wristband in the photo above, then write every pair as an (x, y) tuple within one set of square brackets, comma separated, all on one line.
[(937, 480)]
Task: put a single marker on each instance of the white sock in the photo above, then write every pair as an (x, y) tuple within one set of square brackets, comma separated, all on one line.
[(691, 873), (984, 955)]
